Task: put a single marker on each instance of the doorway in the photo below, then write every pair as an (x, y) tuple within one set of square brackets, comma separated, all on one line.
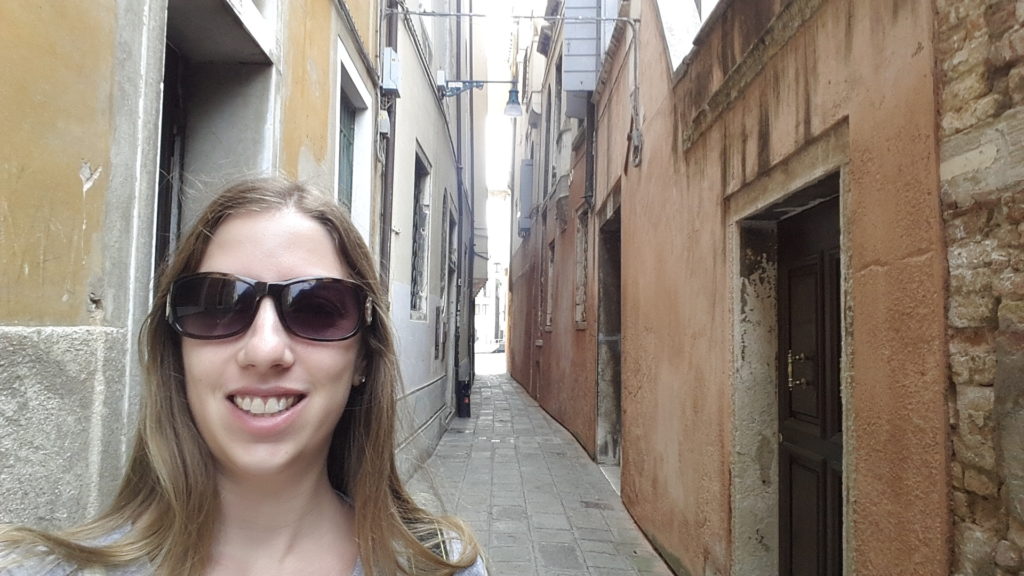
[(808, 379), (609, 343)]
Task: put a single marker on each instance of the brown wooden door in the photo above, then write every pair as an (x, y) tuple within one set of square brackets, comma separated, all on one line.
[(810, 410)]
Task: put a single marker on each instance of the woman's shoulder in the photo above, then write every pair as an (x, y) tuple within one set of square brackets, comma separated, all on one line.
[(477, 569), (37, 561), (53, 565)]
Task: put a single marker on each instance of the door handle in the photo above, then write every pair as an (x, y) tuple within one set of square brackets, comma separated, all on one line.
[(790, 358)]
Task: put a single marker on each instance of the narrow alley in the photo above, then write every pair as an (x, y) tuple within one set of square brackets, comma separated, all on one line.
[(535, 499)]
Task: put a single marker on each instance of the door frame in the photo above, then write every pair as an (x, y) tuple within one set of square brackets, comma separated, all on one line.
[(752, 212)]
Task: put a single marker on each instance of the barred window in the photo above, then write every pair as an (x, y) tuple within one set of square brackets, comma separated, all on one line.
[(346, 150), (420, 237)]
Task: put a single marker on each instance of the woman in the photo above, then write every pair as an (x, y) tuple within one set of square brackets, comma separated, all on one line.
[(265, 442)]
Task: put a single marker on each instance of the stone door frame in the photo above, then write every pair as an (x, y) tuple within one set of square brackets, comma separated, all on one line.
[(752, 212)]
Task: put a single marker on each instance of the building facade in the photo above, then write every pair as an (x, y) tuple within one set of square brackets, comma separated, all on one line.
[(437, 189), (120, 123), (800, 251)]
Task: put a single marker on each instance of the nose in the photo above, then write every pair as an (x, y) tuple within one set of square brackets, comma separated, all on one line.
[(266, 344)]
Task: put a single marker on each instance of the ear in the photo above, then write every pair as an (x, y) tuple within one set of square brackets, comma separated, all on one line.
[(359, 371)]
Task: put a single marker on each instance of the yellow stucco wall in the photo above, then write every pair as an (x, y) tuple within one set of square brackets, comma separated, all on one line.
[(55, 116), (364, 14), (306, 113)]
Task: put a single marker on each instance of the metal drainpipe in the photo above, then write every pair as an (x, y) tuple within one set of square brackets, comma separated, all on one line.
[(460, 186), (471, 297), (388, 194)]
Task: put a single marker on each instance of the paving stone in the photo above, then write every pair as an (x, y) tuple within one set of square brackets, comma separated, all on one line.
[(605, 560), (545, 535), (512, 569), (535, 500), (560, 556), (550, 521)]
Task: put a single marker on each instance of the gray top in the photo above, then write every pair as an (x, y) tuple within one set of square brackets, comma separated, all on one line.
[(50, 565)]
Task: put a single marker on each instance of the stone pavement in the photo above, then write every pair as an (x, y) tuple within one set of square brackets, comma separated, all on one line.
[(537, 502)]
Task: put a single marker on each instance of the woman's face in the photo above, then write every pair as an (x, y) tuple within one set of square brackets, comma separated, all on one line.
[(305, 383)]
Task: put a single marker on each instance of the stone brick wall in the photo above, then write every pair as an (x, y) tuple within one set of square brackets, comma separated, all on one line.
[(980, 53), (980, 46)]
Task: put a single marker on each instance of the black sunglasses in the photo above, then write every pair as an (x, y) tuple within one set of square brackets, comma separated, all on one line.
[(212, 305)]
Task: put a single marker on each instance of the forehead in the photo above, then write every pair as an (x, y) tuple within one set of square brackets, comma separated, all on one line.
[(272, 246)]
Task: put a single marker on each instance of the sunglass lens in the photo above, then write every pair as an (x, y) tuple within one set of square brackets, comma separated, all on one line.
[(322, 309), (212, 306)]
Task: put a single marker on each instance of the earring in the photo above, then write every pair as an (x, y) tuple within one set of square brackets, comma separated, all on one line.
[(362, 379)]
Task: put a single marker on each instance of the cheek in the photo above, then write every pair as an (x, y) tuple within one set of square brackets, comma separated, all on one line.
[(197, 367)]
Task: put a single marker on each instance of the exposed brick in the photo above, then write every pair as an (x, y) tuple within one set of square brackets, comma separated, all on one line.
[(1017, 258), (972, 56), (1015, 533), (974, 399), (972, 370), (962, 505), (974, 451), (968, 255), (963, 89), (1008, 555), (972, 341), (976, 549), (989, 514), (974, 113), (972, 310), (1010, 50), (973, 281), (1010, 283), (1011, 316), (979, 483), (984, 231), (1015, 85), (1007, 237), (1000, 17), (1013, 204)]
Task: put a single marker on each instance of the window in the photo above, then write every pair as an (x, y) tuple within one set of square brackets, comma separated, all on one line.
[(420, 237), (582, 238), (346, 150)]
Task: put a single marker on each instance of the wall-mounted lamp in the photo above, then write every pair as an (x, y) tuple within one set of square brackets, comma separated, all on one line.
[(455, 87)]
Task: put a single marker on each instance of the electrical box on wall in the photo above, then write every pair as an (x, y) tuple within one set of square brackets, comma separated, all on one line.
[(390, 71), (581, 52)]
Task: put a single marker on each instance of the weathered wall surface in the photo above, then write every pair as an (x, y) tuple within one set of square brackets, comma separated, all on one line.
[(981, 56), (568, 389), (422, 135), (78, 110), (55, 167), (523, 327), (309, 95), (767, 79)]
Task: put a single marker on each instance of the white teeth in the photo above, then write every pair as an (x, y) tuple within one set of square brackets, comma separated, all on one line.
[(257, 405)]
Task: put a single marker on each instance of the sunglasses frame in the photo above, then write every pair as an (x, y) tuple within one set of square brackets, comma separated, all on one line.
[(274, 290)]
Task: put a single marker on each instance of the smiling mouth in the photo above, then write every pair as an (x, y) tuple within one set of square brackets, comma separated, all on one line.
[(265, 406)]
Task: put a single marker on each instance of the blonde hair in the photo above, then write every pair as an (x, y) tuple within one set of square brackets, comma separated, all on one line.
[(166, 506)]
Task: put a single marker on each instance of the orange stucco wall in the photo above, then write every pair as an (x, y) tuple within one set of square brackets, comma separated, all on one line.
[(522, 316), (868, 64), (56, 118), (568, 390)]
